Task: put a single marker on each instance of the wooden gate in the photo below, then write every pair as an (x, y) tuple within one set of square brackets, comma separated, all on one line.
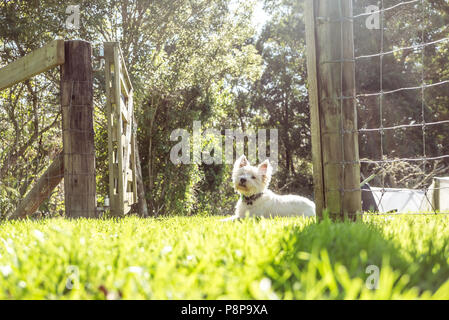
[(121, 132)]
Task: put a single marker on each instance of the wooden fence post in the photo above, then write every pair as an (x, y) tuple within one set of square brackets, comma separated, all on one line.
[(78, 132), (331, 73)]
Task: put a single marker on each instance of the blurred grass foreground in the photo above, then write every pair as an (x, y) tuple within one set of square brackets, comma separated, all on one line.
[(204, 258)]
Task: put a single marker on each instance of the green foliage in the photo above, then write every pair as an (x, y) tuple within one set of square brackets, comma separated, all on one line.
[(6, 193), (203, 60), (179, 54), (189, 81), (279, 98), (203, 258)]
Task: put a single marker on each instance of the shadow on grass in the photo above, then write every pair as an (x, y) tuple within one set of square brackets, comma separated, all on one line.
[(355, 246)]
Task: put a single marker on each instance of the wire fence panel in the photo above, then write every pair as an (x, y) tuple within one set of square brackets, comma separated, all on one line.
[(402, 98), (407, 159)]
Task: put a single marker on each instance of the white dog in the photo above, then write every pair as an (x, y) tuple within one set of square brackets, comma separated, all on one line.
[(257, 201)]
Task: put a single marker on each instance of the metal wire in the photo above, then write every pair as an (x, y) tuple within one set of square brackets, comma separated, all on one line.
[(382, 19), (417, 46), (403, 126), (374, 94), (382, 10), (423, 101), (418, 214), (425, 86), (395, 190), (406, 159)]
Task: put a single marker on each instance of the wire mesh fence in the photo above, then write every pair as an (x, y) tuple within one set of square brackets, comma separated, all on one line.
[(401, 98), (416, 130)]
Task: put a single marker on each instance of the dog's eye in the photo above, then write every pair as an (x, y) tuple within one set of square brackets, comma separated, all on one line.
[(254, 177)]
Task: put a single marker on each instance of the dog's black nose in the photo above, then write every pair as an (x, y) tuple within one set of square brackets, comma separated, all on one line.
[(242, 180)]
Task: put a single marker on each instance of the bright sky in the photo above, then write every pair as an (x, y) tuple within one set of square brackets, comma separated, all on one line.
[(259, 16)]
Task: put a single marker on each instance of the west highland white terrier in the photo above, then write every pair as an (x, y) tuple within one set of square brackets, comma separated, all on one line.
[(257, 201)]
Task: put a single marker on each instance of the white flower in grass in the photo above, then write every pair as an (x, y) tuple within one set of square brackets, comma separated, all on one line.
[(135, 269), (265, 285), (297, 286), (166, 249), (6, 270), (39, 235), (273, 296), (8, 246)]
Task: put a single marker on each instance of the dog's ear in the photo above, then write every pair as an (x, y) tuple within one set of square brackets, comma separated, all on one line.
[(241, 162), (265, 168)]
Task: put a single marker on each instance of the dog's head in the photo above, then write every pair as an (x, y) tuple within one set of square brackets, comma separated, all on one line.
[(249, 180)]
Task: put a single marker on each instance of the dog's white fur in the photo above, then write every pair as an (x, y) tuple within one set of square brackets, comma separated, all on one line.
[(249, 180)]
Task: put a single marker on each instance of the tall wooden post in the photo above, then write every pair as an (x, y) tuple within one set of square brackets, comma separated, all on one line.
[(78, 132), (331, 80)]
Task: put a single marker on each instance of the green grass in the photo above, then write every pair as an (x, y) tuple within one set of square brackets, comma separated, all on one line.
[(203, 258)]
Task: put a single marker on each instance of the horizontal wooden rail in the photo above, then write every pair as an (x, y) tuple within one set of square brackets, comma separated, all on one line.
[(38, 61)]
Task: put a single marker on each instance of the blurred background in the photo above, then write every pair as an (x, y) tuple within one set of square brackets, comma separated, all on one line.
[(231, 65)]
